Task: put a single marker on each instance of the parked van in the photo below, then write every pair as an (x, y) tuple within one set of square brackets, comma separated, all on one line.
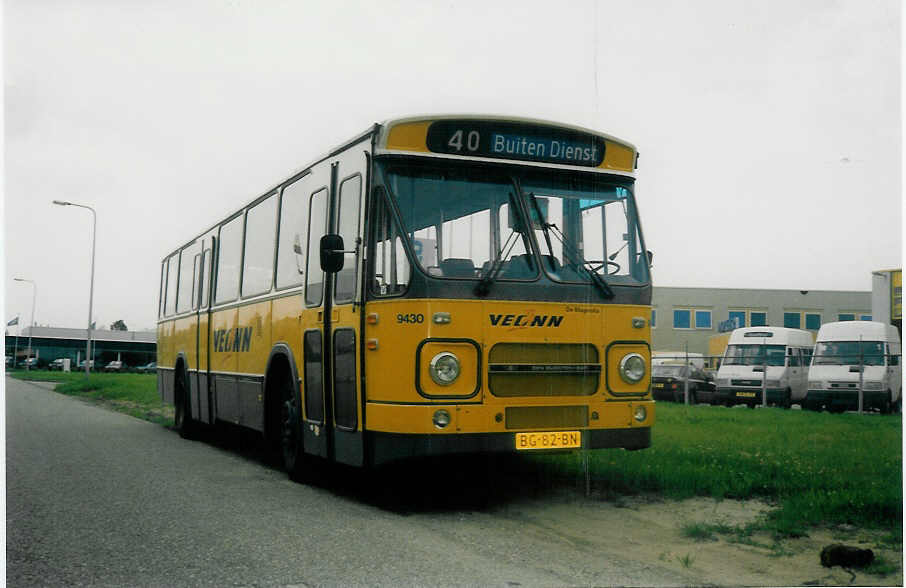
[(786, 353), (670, 370), (848, 350)]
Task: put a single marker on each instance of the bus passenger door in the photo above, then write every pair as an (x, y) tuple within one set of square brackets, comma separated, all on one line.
[(346, 315), (316, 435), (332, 425)]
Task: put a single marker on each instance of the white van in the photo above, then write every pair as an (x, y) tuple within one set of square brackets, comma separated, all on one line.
[(786, 352), (834, 375)]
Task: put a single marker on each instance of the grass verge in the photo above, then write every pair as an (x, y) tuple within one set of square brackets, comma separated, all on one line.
[(134, 394), (819, 468)]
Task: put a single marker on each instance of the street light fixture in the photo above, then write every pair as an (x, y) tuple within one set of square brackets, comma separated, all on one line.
[(94, 227), (31, 327)]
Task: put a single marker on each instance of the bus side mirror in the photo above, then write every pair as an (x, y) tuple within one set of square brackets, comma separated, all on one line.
[(331, 253), (650, 257)]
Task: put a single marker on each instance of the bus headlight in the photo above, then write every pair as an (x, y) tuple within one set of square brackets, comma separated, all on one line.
[(632, 368), (444, 368), (872, 385)]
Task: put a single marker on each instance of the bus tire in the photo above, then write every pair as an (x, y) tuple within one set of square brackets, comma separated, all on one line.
[(290, 431), (787, 399), (182, 414)]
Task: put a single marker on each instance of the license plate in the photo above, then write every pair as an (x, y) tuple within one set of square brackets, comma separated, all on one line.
[(658, 385), (746, 394), (549, 440)]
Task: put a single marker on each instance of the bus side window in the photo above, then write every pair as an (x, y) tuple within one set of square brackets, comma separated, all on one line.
[(228, 259), (258, 260), (391, 266), (172, 269), (292, 248)]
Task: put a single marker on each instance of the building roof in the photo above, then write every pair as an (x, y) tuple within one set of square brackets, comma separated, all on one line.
[(96, 334)]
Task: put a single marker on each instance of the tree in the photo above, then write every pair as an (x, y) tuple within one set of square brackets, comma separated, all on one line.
[(119, 326)]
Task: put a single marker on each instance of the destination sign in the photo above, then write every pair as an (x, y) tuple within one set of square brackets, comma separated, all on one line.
[(507, 140)]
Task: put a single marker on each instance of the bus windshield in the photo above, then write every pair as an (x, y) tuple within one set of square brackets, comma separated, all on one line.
[(755, 355), (466, 222), (848, 353)]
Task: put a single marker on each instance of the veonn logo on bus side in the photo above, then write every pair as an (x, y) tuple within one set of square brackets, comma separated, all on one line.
[(238, 339)]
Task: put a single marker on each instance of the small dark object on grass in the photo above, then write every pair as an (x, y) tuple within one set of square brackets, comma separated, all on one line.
[(846, 556)]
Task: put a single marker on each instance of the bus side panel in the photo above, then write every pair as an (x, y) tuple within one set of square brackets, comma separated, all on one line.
[(183, 345), (224, 364), (254, 333), (286, 321), (165, 361), (204, 404)]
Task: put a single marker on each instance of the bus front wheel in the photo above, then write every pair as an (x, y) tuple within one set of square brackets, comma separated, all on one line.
[(182, 416), (290, 431)]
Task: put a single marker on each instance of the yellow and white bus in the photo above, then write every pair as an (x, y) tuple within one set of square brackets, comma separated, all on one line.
[(436, 285)]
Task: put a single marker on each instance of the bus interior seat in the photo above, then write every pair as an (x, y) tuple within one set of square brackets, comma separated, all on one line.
[(550, 263), (454, 267), (519, 266)]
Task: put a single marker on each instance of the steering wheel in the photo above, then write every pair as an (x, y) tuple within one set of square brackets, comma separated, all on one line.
[(598, 264)]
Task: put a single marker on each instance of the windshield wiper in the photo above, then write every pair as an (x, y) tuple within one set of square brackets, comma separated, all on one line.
[(574, 257), (484, 285)]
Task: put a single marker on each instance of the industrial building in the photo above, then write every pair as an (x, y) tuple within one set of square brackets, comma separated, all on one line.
[(691, 319), (133, 348)]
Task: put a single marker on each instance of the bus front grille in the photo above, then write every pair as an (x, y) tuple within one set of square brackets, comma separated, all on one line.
[(543, 369), (546, 417)]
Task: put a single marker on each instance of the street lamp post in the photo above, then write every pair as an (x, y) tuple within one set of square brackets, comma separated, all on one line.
[(94, 227), (31, 327)]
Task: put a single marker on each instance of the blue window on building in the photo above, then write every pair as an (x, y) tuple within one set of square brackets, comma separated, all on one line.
[(812, 321), (739, 316), (758, 319), (702, 319), (792, 320), (653, 318), (846, 317), (865, 317), (682, 319)]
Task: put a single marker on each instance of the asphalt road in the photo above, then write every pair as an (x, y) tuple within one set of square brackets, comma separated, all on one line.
[(102, 499)]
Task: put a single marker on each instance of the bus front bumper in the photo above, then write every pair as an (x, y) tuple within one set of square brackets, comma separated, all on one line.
[(388, 447)]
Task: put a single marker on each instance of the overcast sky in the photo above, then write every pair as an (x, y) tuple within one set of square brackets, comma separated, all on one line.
[(769, 131)]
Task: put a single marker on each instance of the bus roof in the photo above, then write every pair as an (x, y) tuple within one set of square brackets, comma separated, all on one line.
[(489, 137)]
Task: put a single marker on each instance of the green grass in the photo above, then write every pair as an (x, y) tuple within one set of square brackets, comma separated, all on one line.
[(819, 468), (134, 394), (881, 567)]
